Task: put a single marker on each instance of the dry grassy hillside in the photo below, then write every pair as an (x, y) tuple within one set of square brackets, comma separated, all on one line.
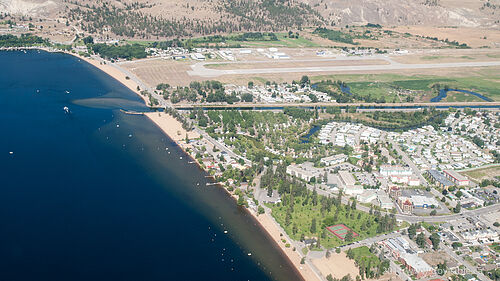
[(156, 19), (468, 13)]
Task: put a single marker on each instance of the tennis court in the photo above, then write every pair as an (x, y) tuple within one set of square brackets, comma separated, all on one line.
[(341, 231)]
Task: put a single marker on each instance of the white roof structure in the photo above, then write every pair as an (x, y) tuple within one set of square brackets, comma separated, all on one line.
[(347, 178), (417, 263), (419, 200)]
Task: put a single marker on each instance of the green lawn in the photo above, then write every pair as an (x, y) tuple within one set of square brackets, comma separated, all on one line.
[(144, 43), (485, 82), (283, 41), (432, 57), (363, 253), (461, 97), (496, 247), (374, 89), (362, 223), (480, 174)]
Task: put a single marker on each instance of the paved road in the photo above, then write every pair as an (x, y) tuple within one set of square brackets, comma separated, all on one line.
[(445, 218), (408, 162), (369, 241), (199, 69), (220, 145), (408, 106), (469, 267)]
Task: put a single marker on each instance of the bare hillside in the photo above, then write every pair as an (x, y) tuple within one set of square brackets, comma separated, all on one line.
[(156, 19), (37, 8), (466, 13)]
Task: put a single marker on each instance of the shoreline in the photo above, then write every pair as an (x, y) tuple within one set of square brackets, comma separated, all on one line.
[(114, 73), (265, 221), (172, 128)]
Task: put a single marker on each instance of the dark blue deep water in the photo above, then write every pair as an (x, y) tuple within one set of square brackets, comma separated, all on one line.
[(95, 195)]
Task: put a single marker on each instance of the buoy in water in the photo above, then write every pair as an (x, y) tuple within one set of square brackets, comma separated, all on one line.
[(225, 231), (118, 126)]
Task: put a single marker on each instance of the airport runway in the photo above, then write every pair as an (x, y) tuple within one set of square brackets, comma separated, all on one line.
[(199, 69)]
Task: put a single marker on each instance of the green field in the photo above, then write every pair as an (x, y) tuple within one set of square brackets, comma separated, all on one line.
[(485, 82), (484, 173), (369, 264), (283, 41), (139, 42), (432, 57), (360, 222), (363, 253), (461, 97)]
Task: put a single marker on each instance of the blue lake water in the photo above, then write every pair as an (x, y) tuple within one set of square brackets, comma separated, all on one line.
[(346, 89), (443, 92), (305, 138), (96, 195)]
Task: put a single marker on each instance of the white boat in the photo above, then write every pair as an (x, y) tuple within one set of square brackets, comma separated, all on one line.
[(66, 110)]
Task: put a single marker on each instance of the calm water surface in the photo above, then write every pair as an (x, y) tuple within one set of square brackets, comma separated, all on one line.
[(96, 195)]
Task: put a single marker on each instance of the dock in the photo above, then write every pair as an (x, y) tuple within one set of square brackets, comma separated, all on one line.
[(131, 112)]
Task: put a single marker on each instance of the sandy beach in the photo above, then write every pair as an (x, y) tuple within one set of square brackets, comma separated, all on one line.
[(338, 265), (113, 72), (173, 128), (270, 226), (170, 126)]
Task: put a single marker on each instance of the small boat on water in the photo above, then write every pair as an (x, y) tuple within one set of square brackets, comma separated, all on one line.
[(67, 92), (66, 110)]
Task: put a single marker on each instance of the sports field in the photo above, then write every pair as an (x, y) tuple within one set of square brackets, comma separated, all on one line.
[(340, 231)]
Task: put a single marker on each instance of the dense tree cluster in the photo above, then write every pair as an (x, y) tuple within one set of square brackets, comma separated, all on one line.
[(334, 35), (115, 52), (25, 40), (304, 213), (393, 121)]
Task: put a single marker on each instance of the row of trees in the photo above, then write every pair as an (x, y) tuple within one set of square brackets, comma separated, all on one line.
[(115, 52), (420, 239), (25, 40)]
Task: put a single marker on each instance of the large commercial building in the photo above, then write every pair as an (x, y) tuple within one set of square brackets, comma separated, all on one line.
[(396, 170), (305, 171), (401, 250), (416, 265), (439, 179), (384, 201), (456, 178), (423, 202), (334, 159), (349, 183), (346, 178)]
